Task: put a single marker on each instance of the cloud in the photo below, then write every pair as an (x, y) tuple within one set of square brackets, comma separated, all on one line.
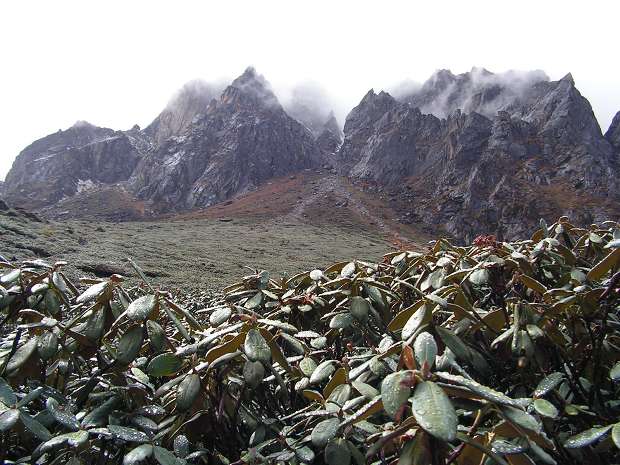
[(403, 89), (310, 103), (478, 90)]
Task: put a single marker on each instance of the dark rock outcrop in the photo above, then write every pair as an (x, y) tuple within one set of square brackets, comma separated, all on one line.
[(330, 137), (613, 133), (243, 139), (544, 155), (66, 162), (202, 148)]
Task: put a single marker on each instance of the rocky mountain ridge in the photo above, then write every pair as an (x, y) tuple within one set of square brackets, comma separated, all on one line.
[(543, 153), (240, 141), (463, 154)]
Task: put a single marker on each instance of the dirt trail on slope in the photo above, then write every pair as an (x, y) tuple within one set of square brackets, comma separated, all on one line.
[(336, 187)]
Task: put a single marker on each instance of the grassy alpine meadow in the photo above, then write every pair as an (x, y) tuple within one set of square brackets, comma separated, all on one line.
[(495, 352)]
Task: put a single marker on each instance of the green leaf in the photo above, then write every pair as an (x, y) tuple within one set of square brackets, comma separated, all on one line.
[(74, 439), (414, 323), (348, 270), (479, 389), (99, 415), (324, 431), (601, 268), (548, 384), (166, 364), (341, 321), (425, 349), (177, 323), (127, 434), (614, 373), (307, 366), (22, 355), (181, 446), (587, 437), (503, 447), (256, 348), (253, 373), (359, 308), (164, 456), (340, 394), (479, 276), (456, 345), (7, 396), (255, 301), (157, 336), (322, 372), (92, 293), (138, 454), (187, 391), (36, 428), (286, 327), (305, 454), (395, 391), (130, 344), (77, 438), (541, 454), (521, 418), (11, 276), (337, 452), (433, 411), (366, 390), (545, 408), (141, 308), (220, 315), (47, 345), (65, 418), (615, 434), (8, 419)]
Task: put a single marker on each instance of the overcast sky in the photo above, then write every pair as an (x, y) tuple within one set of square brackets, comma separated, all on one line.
[(116, 63)]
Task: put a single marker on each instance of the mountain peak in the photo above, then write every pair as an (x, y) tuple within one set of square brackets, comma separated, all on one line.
[(188, 102), (372, 97), (368, 96), (480, 70), (440, 79), (568, 78), (253, 86), (332, 125), (249, 73)]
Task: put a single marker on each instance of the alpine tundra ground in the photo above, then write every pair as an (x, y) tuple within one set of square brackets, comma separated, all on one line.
[(313, 222)]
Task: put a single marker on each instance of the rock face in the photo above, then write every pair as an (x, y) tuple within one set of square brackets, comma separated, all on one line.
[(189, 103), (64, 163), (330, 137), (541, 156), (200, 150), (240, 141), (613, 133), (464, 154)]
